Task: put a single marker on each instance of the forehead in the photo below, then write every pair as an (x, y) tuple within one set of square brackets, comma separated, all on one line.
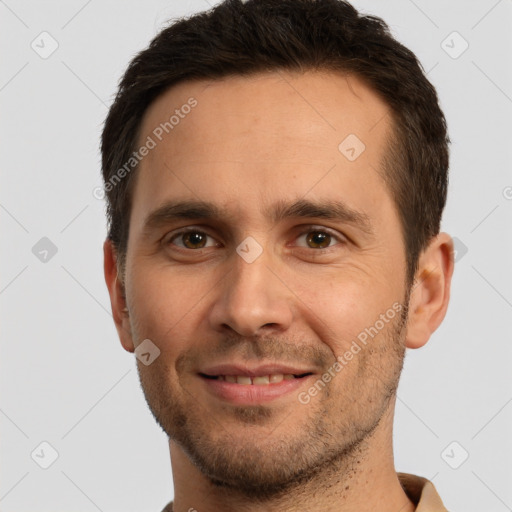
[(291, 105), (253, 139)]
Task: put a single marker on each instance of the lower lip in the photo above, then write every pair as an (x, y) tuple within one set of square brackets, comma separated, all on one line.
[(250, 394)]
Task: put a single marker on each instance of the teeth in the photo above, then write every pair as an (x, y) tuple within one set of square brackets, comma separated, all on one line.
[(262, 380)]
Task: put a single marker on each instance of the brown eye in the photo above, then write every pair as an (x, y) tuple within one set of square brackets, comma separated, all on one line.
[(318, 239), (192, 239)]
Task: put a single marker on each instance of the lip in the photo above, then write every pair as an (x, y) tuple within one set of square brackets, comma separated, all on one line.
[(239, 394)]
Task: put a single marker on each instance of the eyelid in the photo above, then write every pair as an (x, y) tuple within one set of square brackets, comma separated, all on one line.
[(187, 229), (322, 229)]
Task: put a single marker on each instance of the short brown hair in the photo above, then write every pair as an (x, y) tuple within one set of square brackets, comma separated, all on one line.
[(241, 38)]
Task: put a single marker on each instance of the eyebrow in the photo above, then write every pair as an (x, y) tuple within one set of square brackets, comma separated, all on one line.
[(281, 210)]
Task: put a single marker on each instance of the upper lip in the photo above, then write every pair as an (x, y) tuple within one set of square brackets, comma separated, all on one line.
[(254, 371)]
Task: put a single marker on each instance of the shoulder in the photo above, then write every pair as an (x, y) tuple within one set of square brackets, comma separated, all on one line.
[(168, 507), (421, 492)]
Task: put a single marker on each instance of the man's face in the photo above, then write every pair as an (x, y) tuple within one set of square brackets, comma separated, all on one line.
[(262, 289)]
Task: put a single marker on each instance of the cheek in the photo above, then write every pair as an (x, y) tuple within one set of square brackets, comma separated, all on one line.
[(164, 307), (340, 304)]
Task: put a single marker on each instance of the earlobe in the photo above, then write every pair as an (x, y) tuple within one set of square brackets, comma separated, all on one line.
[(116, 291), (430, 293)]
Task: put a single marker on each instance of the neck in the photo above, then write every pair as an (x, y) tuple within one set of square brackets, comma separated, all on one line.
[(364, 481)]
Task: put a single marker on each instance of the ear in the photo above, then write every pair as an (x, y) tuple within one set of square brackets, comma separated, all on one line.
[(430, 292), (117, 296)]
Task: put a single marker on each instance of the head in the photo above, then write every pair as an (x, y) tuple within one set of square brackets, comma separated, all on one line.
[(237, 38), (303, 150)]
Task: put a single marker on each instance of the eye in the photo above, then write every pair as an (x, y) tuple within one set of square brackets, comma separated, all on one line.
[(191, 239), (316, 238), (312, 238)]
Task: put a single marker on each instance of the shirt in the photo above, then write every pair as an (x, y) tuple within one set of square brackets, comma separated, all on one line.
[(418, 489), (421, 492)]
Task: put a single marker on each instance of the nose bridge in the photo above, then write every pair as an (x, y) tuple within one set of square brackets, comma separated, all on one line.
[(251, 296)]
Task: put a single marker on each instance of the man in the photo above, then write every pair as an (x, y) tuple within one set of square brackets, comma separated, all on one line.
[(276, 172)]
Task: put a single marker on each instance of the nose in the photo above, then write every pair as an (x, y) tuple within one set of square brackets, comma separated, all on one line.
[(252, 298)]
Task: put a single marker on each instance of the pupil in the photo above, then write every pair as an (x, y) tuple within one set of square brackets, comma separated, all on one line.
[(194, 239), (318, 239)]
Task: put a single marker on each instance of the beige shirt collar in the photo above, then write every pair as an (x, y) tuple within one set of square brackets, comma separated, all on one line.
[(419, 490)]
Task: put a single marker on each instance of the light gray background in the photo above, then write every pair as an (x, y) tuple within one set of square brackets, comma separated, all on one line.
[(65, 378)]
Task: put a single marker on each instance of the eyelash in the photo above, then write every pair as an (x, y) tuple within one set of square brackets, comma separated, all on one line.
[(307, 230)]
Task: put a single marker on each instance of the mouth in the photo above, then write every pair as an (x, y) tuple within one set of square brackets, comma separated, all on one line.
[(261, 380), (241, 385)]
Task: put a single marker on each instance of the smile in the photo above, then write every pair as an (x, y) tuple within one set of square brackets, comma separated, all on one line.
[(263, 380), (243, 386)]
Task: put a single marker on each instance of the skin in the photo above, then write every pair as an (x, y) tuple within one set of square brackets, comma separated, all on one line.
[(250, 142)]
